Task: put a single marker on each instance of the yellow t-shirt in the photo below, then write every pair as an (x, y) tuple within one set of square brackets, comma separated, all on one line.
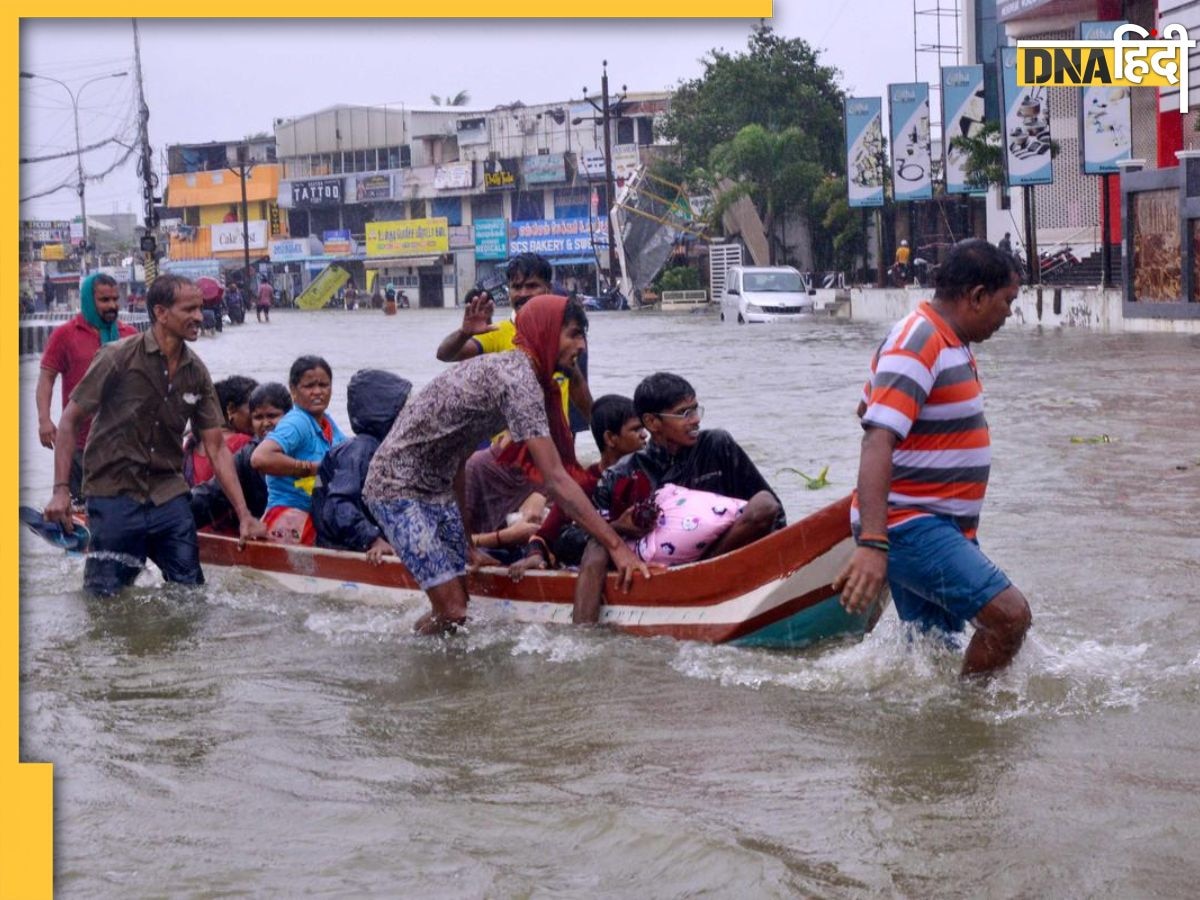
[(501, 339), (902, 255)]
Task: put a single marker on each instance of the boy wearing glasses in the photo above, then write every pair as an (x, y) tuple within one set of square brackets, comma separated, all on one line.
[(679, 453)]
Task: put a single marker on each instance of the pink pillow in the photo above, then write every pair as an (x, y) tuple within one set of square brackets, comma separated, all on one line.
[(689, 521)]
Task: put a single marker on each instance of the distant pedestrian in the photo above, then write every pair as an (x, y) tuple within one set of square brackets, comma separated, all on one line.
[(68, 353), (262, 305), (1005, 243), (926, 456)]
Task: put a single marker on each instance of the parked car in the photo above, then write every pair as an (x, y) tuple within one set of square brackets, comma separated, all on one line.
[(764, 294)]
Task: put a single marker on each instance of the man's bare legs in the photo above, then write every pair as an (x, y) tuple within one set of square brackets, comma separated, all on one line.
[(999, 632), (589, 588), (449, 602)]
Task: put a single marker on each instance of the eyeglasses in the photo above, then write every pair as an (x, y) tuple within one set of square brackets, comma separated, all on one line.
[(691, 413)]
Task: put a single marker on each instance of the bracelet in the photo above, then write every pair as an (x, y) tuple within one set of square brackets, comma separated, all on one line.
[(882, 546), (873, 537), (59, 484), (497, 544)]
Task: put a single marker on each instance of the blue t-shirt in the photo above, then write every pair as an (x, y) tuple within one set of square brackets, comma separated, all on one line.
[(299, 436)]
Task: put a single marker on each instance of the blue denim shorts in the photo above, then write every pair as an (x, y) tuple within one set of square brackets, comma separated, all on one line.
[(939, 578), (429, 538)]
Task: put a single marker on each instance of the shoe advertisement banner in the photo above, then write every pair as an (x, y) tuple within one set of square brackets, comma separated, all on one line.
[(1105, 120), (1026, 126)]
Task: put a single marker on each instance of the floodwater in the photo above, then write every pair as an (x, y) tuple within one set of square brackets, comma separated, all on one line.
[(241, 740)]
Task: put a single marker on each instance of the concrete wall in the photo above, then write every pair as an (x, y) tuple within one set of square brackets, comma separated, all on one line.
[(1056, 307)]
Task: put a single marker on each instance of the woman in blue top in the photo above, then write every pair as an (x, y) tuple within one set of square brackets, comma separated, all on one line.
[(290, 455)]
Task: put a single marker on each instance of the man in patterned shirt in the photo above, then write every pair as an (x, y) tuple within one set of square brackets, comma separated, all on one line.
[(924, 467), (414, 486)]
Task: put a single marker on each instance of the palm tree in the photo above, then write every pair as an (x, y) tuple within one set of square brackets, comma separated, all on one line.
[(462, 98)]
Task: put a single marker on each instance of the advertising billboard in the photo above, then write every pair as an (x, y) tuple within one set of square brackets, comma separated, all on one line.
[(864, 150), (962, 116), (912, 161), (1026, 125)]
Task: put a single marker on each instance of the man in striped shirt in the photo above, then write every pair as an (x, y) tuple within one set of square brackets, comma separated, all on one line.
[(924, 466)]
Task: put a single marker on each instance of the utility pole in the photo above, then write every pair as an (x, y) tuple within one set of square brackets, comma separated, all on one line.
[(243, 153), (80, 187), (606, 116), (146, 168)]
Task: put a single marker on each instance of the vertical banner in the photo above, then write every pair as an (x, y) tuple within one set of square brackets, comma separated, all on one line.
[(1026, 126), (1105, 121), (908, 115), (962, 116), (864, 150)]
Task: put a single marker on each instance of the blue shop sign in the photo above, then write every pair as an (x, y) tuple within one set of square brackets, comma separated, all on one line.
[(491, 239)]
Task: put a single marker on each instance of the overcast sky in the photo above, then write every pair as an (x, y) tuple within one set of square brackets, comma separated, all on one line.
[(215, 80)]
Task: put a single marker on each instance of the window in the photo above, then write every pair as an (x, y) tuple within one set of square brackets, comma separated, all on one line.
[(337, 163), (528, 206), (487, 206), (645, 129), (450, 207), (571, 203), (625, 129)]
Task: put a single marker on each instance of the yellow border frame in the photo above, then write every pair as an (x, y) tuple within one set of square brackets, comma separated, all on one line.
[(27, 789)]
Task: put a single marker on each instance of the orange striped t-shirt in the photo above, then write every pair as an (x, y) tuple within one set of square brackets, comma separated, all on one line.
[(925, 388)]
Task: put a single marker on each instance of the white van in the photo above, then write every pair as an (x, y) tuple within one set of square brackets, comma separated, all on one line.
[(764, 294)]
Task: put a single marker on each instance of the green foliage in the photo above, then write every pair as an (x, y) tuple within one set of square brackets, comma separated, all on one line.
[(777, 83), (843, 225), (774, 169), (984, 165), (813, 484), (678, 278)]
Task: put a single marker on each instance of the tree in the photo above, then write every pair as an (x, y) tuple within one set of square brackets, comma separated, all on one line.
[(462, 98), (842, 224), (984, 164), (774, 169), (777, 83)]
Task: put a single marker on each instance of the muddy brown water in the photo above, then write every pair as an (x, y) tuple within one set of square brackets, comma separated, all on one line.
[(241, 740)]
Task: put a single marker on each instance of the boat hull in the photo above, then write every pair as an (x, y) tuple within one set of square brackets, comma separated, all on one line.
[(776, 592)]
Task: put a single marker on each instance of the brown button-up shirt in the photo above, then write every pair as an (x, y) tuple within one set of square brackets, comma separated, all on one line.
[(135, 448)]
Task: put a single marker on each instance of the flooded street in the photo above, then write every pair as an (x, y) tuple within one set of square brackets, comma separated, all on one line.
[(242, 740)]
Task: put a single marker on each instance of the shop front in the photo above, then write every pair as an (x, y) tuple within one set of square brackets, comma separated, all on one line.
[(413, 255)]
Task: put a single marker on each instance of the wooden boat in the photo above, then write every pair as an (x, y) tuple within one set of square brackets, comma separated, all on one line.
[(775, 592)]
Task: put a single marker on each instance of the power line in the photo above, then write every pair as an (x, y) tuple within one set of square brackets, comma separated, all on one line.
[(34, 159)]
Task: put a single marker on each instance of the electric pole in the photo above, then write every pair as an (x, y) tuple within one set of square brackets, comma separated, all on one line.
[(610, 194), (146, 169)]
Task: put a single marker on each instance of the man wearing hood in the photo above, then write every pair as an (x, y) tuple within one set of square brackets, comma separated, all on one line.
[(373, 399), (69, 352)]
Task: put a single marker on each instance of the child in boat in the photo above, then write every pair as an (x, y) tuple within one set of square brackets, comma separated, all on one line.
[(413, 487), (678, 499), (233, 393), (268, 403), (618, 432), (290, 455), (504, 507), (373, 400)]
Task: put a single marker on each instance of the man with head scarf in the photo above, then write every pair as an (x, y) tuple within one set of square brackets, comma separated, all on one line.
[(414, 486), (69, 352)]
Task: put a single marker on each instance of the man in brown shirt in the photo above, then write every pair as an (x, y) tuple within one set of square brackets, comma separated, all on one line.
[(141, 393)]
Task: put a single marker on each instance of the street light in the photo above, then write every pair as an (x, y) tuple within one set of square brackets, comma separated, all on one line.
[(75, 95), (606, 115)]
